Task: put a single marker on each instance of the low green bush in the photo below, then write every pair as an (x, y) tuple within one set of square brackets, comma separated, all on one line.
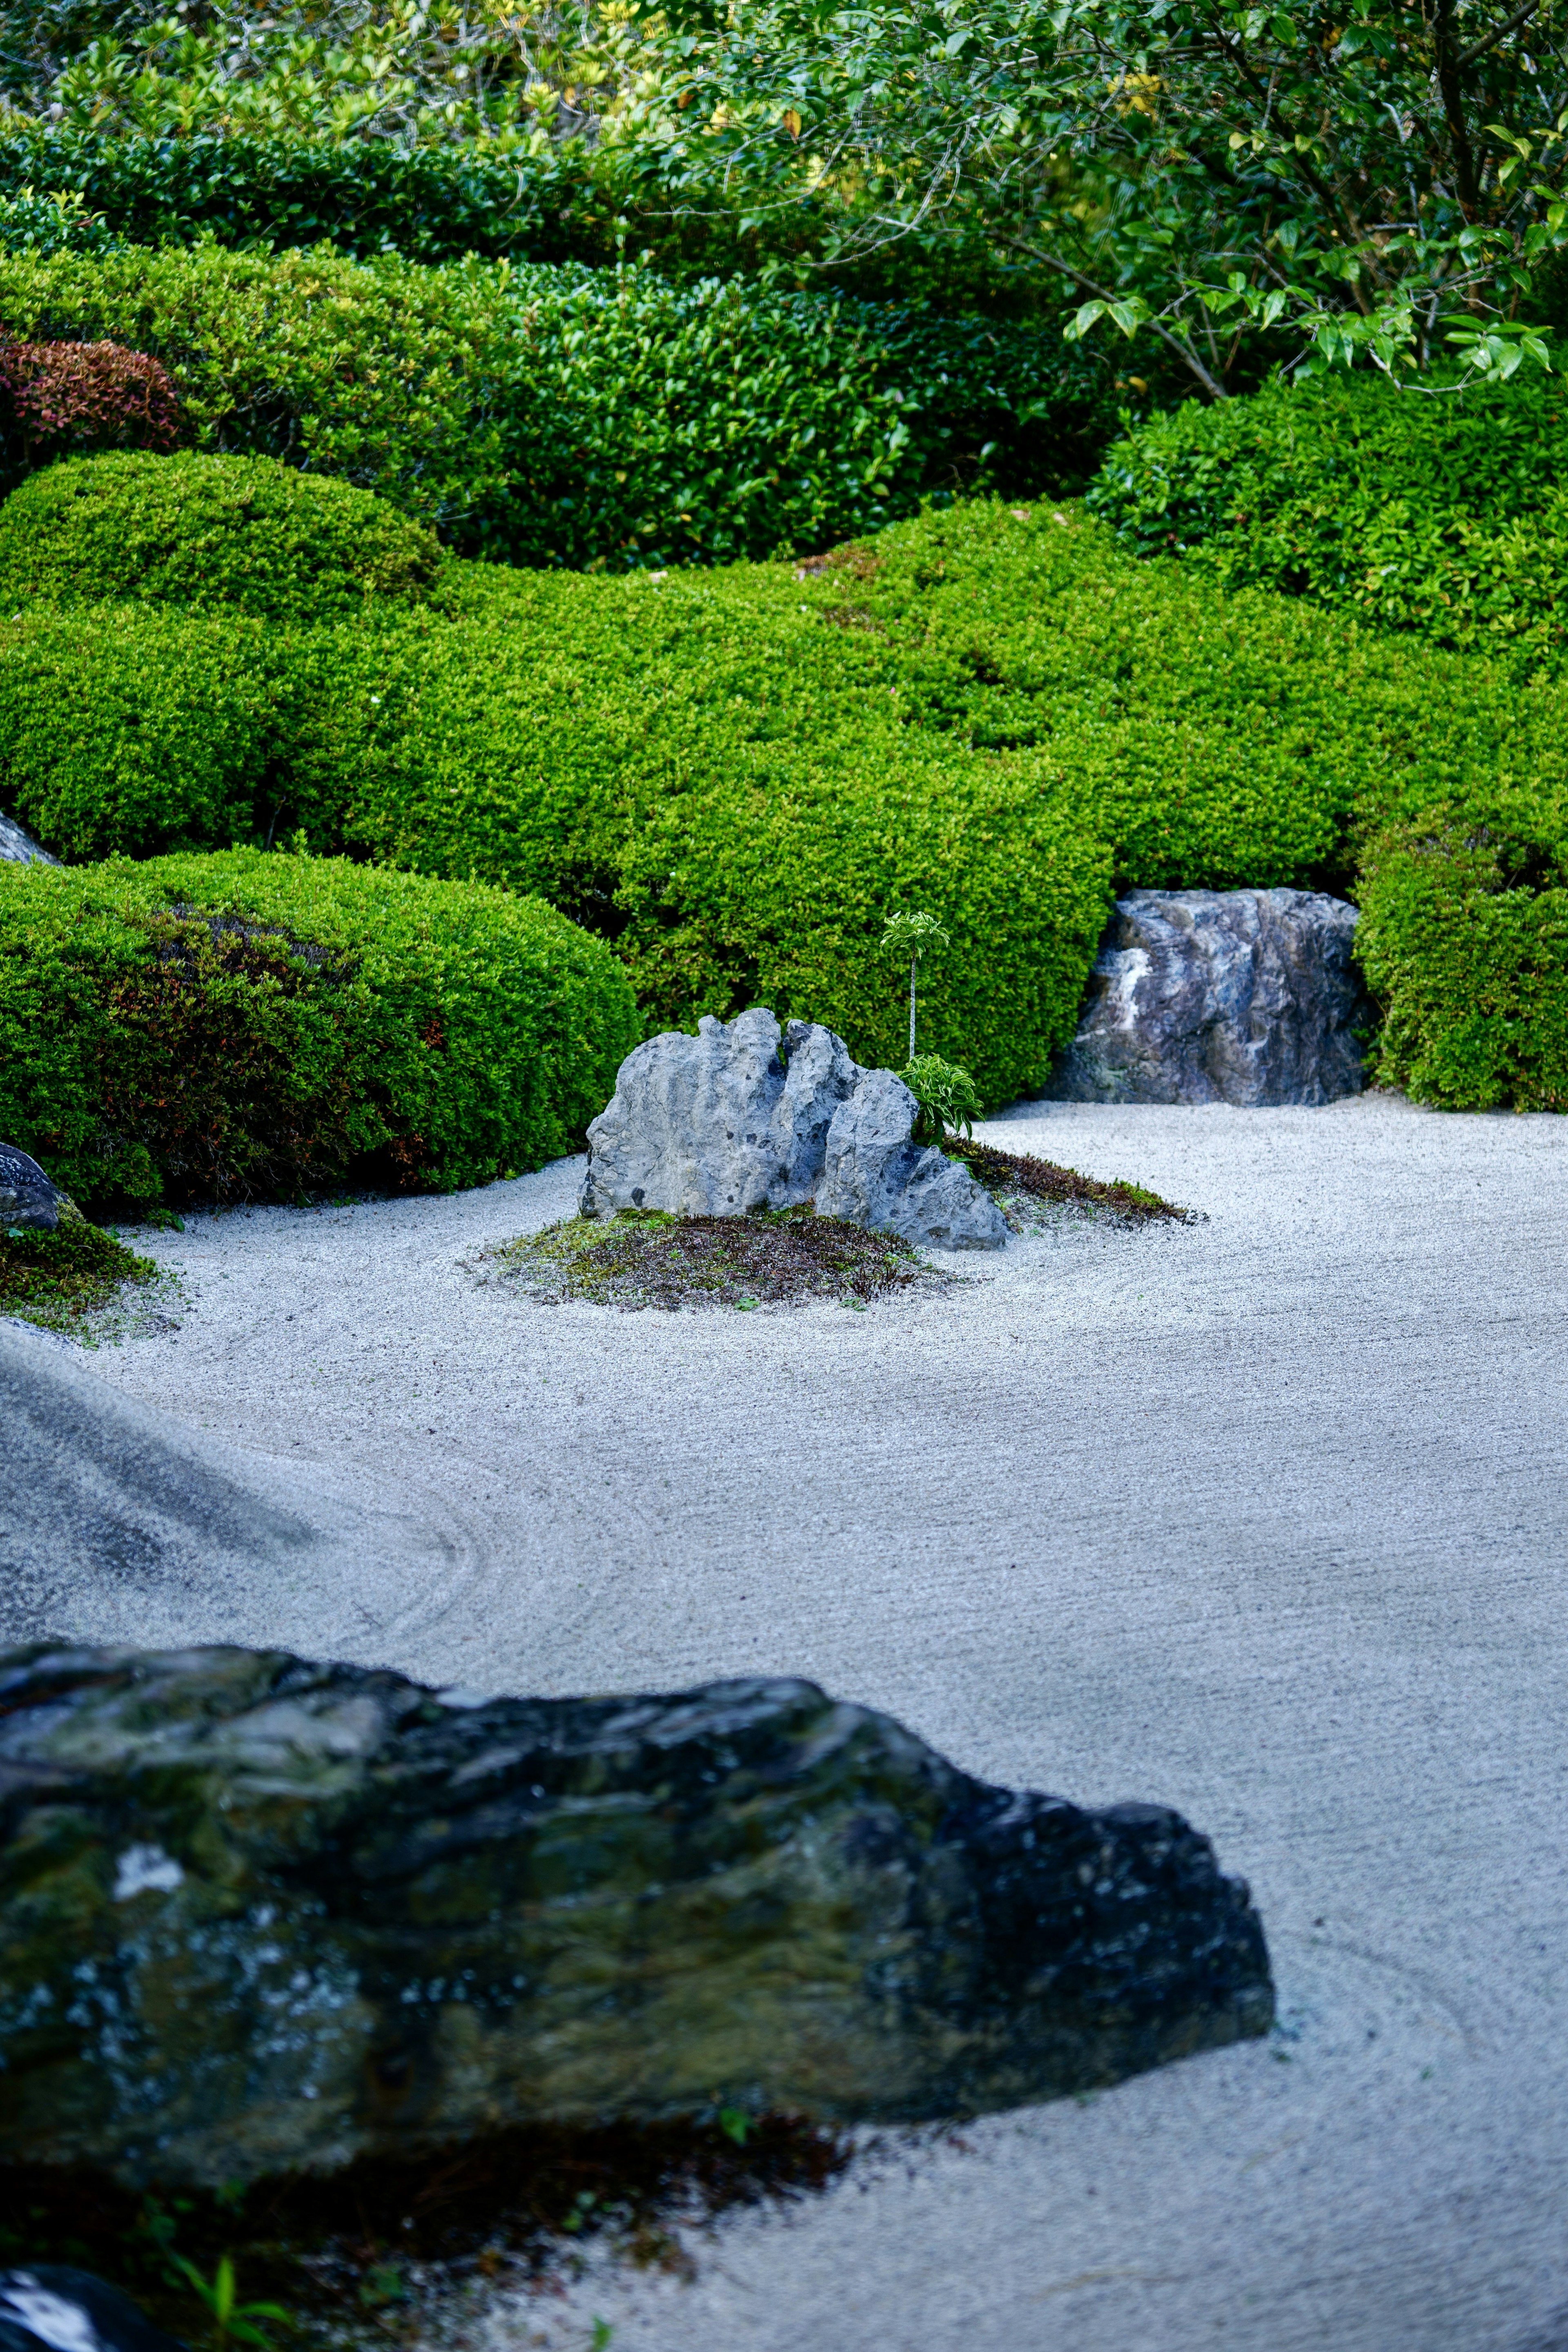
[(56, 1280), (242, 1026), (1443, 513), (1464, 939), (201, 531)]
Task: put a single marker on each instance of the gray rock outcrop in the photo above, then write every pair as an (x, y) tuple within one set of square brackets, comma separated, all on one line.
[(745, 1117), (718, 1124), (1235, 996), (19, 848), (27, 1199), (258, 1914), (875, 1175)]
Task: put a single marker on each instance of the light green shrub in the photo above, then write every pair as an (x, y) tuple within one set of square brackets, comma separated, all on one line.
[(245, 1026), (1464, 938), (202, 530)]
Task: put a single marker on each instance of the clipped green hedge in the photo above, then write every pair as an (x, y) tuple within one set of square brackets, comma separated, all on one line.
[(1464, 938), (199, 531), (1442, 512), (245, 1026)]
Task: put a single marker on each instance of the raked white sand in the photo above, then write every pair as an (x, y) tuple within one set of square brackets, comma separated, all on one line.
[(1264, 1518)]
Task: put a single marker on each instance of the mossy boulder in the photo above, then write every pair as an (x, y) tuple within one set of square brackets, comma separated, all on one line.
[(258, 1915)]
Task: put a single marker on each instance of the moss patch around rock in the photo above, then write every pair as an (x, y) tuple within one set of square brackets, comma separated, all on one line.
[(61, 1279)]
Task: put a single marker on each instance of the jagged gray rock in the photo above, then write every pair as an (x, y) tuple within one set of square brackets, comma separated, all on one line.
[(721, 1123), (875, 1175), (20, 847), (258, 1915), (718, 1124), (1235, 996), (27, 1199)]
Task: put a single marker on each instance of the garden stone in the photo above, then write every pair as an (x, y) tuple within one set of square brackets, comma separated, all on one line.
[(51, 2307), (27, 1199), (718, 1124), (20, 846), (258, 1914), (875, 1175), (1237, 996)]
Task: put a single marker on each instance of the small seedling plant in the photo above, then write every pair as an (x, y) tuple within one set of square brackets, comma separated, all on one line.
[(233, 2322), (944, 1091), (910, 934)]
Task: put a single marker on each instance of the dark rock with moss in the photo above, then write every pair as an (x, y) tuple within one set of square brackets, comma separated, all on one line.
[(28, 1202), (256, 1914)]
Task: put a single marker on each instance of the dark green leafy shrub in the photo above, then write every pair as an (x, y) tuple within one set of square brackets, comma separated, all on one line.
[(48, 219), (1464, 938), (246, 1025), (580, 418), (1445, 514), (199, 531)]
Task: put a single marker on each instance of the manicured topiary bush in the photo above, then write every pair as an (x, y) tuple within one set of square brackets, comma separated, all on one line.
[(1464, 937), (244, 1026), (199, 531)]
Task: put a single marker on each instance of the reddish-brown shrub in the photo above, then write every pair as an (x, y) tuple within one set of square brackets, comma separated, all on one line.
[(81, 396)]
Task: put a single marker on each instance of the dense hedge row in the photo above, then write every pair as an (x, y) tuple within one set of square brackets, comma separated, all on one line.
[(735, 775), (243, 1025), (1444, 513), (573, 416)]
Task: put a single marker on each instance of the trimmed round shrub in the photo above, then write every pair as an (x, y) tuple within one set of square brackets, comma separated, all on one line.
[(1464, 938), (197, 530), (127, 730), (253, 1027)]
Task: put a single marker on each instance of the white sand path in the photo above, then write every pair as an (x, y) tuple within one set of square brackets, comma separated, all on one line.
[(1265, 1518)]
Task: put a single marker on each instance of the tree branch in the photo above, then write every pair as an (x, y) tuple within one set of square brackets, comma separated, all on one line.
[(1183, 348), (1480, 48)]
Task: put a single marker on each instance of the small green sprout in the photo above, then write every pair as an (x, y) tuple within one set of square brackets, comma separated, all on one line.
[(233, 2322), (910, 934), (945, 1091)]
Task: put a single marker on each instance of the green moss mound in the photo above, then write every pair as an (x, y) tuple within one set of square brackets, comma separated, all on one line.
[(58, 1279), (244, 1026), (245, 534)]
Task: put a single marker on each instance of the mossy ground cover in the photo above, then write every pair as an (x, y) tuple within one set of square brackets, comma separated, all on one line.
[(645, 1258), (62, 1280), (1025, 1186), (379, 2250)]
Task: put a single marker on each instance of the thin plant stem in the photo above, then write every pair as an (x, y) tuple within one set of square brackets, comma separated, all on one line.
[(913, 961)]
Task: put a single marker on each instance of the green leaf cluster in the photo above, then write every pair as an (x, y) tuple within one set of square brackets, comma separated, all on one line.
[(243, 1025), (1445, 516)]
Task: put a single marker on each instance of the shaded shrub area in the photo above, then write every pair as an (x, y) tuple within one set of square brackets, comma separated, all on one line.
[(1442, 514), (240, 1026), (1464, 939), (580, 418), (199, 532), (72, 398)]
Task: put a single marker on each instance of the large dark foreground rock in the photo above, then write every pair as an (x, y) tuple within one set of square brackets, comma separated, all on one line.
[(259, 1914), (1235, 996)]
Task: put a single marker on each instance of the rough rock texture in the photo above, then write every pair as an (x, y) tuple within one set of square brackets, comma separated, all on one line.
[(51, 2306), (718, 1124), (714, 1125), (20, 846), (120, 1522), (255, 1913), (1236, 996), (27, 1196), (874, 1174)]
